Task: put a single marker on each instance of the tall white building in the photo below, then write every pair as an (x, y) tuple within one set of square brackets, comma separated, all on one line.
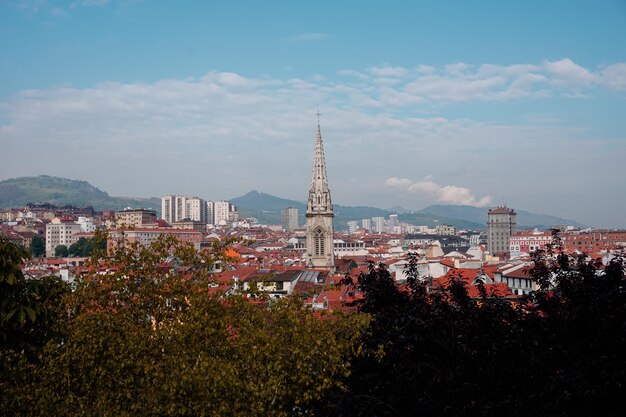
[(59, 232), (289, 218), (221, 210), (168, 212), (353, 226), (175, 208), (501, 224), (366, 224), (378, 224)]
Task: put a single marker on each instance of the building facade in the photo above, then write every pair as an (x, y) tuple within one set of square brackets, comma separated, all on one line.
[(501, 224), (319, 213), (176, 208), (60, 232), (289, 218), (135, 217)]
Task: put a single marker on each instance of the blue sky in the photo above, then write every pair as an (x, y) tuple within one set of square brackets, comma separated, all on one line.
[(423, 102)]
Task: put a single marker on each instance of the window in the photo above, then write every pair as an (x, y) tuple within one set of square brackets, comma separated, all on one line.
[(318, 239)]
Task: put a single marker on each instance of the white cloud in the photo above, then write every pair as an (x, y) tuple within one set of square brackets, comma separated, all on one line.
[(614, 76), (388, 71), (449, 194), (224, 134), (567, 73)]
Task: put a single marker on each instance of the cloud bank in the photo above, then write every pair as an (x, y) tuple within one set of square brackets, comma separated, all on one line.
[(448, 194), (223, 134)]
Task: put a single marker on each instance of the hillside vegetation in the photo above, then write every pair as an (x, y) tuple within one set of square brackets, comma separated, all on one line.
[(17, 192)]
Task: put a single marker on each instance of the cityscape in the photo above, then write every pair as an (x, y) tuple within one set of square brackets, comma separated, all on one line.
[(436, 223)]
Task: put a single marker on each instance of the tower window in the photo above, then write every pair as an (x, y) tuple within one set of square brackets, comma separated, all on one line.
[(318, 239)]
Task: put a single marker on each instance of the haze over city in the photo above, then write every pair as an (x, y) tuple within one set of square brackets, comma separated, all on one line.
[(475, 103)]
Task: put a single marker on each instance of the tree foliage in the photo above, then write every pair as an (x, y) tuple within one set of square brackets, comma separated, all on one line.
[(557, 352), (37, 246), (146, 336), (61, 251)]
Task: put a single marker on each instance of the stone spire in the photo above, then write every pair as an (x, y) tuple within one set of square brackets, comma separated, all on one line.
[(320, 251), (319, 195)]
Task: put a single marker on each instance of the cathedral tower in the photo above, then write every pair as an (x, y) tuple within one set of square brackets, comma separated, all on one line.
[(319, 213)]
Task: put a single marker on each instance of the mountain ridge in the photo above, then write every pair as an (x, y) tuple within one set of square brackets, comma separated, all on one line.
[(17, 192)]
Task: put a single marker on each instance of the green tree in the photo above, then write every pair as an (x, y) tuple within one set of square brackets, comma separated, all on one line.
[(61, 251), (557, 352), (30, 312), (37, 246), (147, 336)]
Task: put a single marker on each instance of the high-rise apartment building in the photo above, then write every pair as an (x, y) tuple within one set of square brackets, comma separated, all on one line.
[(221, 211), (60, 232), (289, 218), (176, 208), (501, 223)]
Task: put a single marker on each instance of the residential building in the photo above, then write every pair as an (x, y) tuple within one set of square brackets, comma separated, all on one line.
[(528, 241), (501, 223), (289, 218), (60, 232), (175, 208), (129, 218), (221, 212)]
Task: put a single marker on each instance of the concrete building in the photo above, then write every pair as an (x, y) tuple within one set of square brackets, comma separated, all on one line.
[(221, 212), (366, 224), (353, 226), (60, 232), (528, 241), (128, 218), (289, 218), (378, 224), (501, 224), (145, 236), (319, 213), (176, 208)]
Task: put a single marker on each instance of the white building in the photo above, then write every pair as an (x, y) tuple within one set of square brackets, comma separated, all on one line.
[(353, 226), (59, 232), (378, 224), (221, 210), (175, 208), (289, 218)]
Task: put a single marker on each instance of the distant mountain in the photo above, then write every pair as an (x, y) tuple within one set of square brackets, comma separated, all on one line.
[(17, 192), (266, 208), (257, 201), (399, 210), (478, 215)]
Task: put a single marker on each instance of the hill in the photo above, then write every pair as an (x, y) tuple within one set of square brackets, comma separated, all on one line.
[(17, 192), (525, 219), (266, 208)]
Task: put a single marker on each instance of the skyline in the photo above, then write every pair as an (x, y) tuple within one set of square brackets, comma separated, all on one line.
[(478, 104)]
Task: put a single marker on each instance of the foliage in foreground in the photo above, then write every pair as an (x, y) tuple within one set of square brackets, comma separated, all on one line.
[(558, 352), (144, 336)]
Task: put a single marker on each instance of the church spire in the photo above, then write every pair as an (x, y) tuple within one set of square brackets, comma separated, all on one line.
[(319, 195), (320, 251)]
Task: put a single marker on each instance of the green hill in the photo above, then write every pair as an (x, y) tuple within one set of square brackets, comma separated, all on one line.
[(17, 192)]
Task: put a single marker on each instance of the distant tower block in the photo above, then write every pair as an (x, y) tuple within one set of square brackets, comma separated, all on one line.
[(501, 223), (319, 212)]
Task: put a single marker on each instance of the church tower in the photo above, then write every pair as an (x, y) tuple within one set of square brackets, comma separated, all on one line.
[(319, 213)]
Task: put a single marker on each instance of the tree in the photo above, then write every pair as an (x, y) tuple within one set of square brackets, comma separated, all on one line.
[(148, 336), (37, 246), (29, 316), (557, 352), (61, 251)]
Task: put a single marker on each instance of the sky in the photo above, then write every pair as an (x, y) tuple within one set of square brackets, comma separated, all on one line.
[(422, 102)]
